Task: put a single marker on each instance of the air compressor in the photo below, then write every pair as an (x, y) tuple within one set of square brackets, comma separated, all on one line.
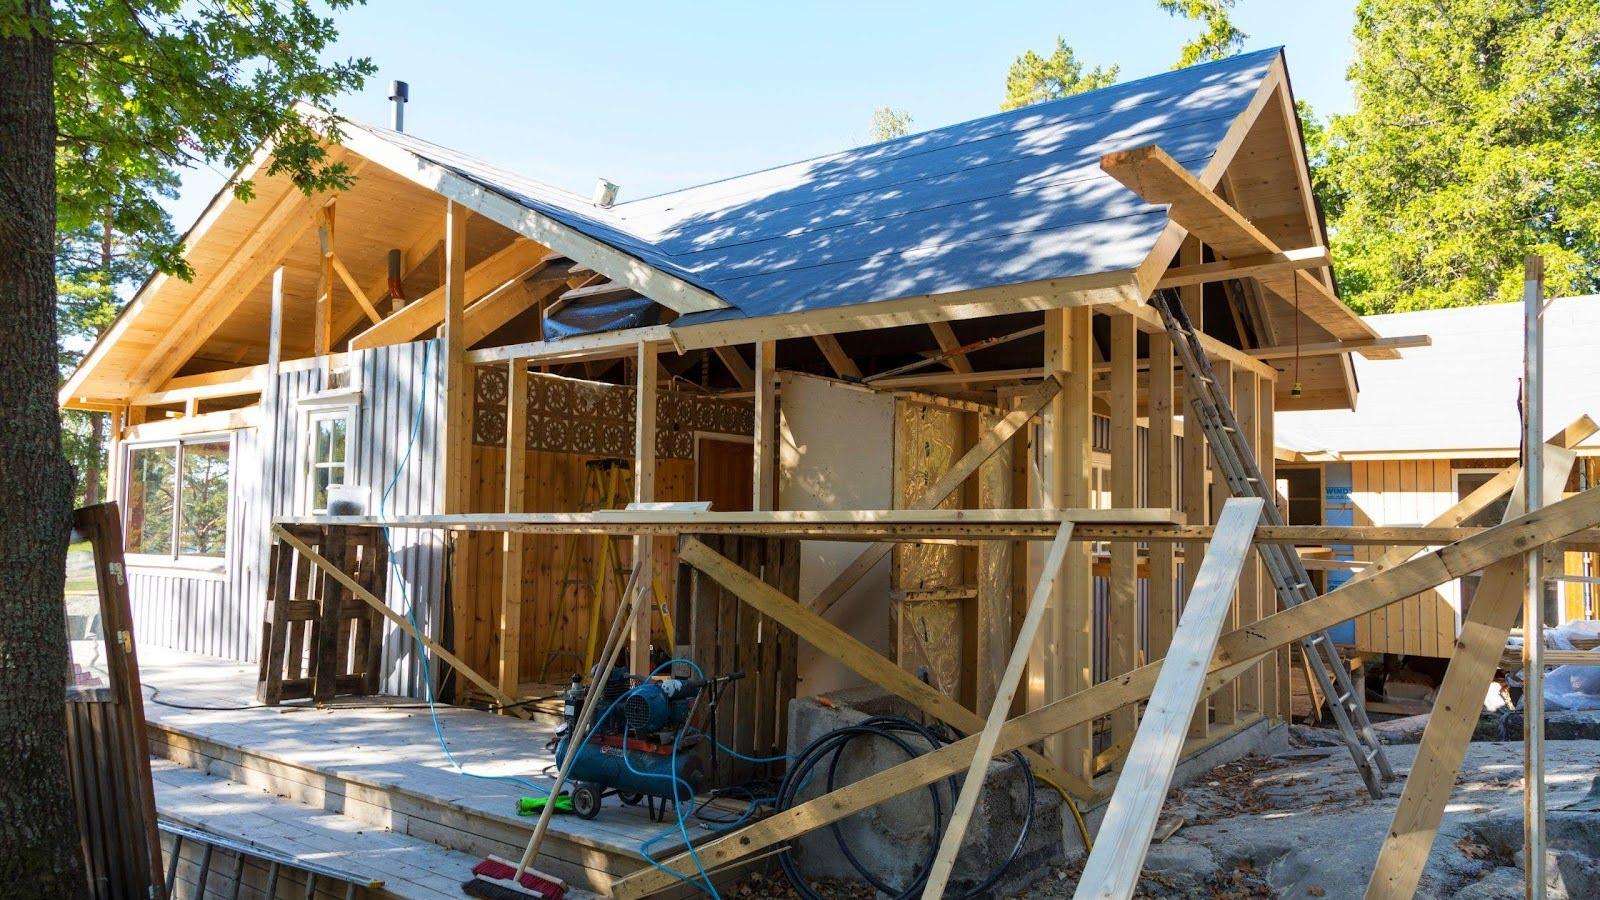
[(629, 750)]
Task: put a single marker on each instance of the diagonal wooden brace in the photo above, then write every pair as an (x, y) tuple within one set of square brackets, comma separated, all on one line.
[(1488, 622), (858, 657), (1236, 652)]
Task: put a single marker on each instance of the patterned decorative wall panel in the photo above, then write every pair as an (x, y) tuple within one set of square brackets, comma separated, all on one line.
[(566, 415)]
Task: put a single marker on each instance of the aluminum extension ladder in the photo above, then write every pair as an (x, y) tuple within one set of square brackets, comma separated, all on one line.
[(1238, 464)]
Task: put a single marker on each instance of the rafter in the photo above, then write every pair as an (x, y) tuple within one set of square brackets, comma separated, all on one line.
[(1158, 178), (428, 311)]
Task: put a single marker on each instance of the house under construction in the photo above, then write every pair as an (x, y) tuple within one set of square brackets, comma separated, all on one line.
[(981, 417)]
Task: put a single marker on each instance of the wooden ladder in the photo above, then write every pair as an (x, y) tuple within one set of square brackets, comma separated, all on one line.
[(1209, 405)]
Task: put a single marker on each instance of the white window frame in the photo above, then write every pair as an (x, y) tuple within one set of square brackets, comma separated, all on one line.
[(177, 559), (315, 414)]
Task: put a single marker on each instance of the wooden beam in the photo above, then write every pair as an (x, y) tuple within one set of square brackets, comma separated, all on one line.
[(1236, 651), (1159, 179), (1122, 610), (1244, 267), (455, 442), (1161, 487), (510, 668), (511, 299), (845, 649), (240, 388), (1488, 622), (668, 290), (429, 311), (603, 289), (644, 491), (842, 364), (737, 367), (944, 862), (400, 621), (322, 342), (252, 260), (1066, 447), (946, 336), (355, 289), (765, 450), (940, 490), (1112, 870), (1331, 348)]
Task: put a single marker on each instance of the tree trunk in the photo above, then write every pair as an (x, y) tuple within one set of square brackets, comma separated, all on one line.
[(91, 466), (38, 832)]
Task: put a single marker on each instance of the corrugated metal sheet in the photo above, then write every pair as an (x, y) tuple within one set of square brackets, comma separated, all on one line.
[(221, 615), (1007, 199)]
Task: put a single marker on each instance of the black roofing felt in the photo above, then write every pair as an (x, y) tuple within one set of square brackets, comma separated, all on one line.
[(1007, 199)]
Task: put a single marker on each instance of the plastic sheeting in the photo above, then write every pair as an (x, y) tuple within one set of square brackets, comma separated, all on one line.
[(597, 314), (1573, 687)]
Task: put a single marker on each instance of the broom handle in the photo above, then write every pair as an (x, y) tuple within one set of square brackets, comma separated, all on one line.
[(625, 611)]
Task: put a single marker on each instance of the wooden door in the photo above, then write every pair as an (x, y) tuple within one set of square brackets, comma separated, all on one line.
[(724, 473)]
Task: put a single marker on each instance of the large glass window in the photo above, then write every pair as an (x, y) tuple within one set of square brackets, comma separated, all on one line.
[(178, 499), (152, 499), (330, 454)]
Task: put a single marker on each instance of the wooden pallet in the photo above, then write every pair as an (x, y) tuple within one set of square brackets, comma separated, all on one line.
[(319, 641)]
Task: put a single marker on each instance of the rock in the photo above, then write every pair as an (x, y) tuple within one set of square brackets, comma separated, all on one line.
[(1180, 860), (1402, 731), (1502, 883)]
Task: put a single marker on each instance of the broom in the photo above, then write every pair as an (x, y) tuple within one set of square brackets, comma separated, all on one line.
[(497, 879)]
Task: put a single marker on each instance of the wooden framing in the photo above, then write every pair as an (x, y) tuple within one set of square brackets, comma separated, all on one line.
[(518, 259), (1244, 267), (858, 657), (510, 631), (950, 844), (1236, 652), (1112, 870), (765, 451), (1444, 743), (644, 491), (1158, 178), (1122, 609)]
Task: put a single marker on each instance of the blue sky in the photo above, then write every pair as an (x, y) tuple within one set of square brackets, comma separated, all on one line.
[(657, 96)]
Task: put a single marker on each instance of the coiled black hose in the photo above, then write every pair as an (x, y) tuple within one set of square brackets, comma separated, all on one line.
[(895, 730)]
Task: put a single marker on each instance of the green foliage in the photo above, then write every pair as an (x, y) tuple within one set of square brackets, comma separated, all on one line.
[(1219, 39), (889, 123), (1475, 141), (145, 88), (1035, 79)]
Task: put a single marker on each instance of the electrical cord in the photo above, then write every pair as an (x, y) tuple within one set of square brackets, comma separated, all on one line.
[(895, 730)]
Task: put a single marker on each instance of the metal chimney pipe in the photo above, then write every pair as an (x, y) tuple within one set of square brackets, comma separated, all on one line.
[(399, 93)]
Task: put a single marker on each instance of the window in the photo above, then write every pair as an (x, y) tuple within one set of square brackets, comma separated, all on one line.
[(177, 499), (330, 454)]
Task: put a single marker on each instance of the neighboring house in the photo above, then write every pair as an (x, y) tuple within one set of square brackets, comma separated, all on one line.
[(1430, 428), (294, 363)]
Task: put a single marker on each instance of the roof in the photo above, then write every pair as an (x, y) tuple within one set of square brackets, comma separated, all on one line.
[(1459, 397), (1003, 214), (1011, 198)]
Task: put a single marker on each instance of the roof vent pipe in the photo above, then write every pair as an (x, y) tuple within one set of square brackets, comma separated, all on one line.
[(605, 193), (399, 93)]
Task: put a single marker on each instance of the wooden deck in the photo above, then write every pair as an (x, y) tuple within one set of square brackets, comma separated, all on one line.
[(377, 762)]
